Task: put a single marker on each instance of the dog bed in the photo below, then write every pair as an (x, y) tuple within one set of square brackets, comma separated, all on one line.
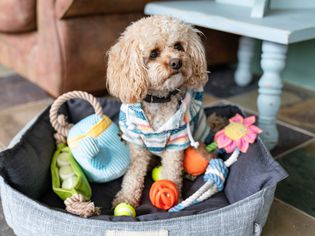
[(31, 208)]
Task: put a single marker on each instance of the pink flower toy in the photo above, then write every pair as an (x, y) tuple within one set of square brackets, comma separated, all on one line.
[(238, 134), (234, 138)]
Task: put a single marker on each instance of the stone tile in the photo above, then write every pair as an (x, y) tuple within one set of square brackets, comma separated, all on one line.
[(246, 100), (5, 230), (297, 108), (13, 119), (15, 90), (300, 114), (288, 139), (249, 99), (208, 100), (299, 188), (286, 220), (4, 71), (221, 83), (303, 93)]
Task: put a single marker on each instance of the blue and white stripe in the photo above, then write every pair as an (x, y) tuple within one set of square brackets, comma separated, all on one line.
[(216, 173), (173, 135)]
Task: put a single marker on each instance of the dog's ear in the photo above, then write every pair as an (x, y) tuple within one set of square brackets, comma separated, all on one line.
[(126, 72), (199, 65)]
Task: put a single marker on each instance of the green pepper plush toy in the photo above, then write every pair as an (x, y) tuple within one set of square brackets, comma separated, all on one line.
[(68, 178)]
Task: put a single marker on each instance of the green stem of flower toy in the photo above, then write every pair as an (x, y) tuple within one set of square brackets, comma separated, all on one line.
[(211, 147)]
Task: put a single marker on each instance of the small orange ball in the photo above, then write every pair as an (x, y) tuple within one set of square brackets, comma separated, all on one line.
[(164, 194), (195, 162)]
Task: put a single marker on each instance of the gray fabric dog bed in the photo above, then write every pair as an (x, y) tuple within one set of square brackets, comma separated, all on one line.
[(31, 207)]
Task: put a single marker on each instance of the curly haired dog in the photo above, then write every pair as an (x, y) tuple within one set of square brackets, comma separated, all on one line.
[(158, 69)]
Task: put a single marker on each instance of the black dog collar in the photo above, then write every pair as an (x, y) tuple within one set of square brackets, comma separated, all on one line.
[(155, 99)]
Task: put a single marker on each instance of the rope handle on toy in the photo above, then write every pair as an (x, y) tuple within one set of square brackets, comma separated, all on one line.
[(58, 121)]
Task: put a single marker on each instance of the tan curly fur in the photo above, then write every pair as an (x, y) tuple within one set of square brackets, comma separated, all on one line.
[(133, 73)]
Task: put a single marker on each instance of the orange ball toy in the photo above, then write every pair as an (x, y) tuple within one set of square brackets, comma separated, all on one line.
[(163, 194), (195, 160)]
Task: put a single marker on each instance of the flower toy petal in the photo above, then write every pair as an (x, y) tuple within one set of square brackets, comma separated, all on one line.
[(239, 133)]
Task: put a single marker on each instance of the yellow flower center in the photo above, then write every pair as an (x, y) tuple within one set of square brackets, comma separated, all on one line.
[(235, 131)]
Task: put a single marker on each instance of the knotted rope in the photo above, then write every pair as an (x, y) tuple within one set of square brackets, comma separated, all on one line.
[(216, 173), (214, 177), (59, 123), (76, 204)]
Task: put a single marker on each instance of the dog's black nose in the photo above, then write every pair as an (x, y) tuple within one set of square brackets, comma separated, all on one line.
[(175, 63)]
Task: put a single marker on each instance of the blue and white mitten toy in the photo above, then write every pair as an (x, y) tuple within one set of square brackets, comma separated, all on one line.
[(94, 141)]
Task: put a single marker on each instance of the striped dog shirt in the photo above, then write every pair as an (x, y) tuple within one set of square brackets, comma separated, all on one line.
[(175, 134)]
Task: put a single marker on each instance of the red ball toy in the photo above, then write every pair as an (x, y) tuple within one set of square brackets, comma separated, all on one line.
[(164, 194)]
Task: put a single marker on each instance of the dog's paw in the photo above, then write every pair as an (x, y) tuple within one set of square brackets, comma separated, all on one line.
[(125, 198)]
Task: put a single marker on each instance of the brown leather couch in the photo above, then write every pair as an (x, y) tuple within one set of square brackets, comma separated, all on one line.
[(60, 44)]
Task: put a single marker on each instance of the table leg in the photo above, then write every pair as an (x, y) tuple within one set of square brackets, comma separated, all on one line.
[(270, 88), (243, 73)]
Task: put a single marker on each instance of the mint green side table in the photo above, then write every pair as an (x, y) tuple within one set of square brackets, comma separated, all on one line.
[(277, 23)]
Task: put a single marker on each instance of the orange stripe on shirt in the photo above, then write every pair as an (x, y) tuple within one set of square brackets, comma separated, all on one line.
[(178, 139)]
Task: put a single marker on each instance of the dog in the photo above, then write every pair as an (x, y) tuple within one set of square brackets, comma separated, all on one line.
[(158, 69)]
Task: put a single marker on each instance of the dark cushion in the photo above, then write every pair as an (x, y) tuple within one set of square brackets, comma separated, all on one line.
[(26, 166)]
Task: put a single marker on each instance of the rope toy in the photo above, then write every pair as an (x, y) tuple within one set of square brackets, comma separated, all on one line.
[(78, 205), (214, 177), (234, 138), (77, 196)]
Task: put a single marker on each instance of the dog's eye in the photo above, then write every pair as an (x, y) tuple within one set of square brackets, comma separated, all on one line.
[(178, 47), (154, 54)]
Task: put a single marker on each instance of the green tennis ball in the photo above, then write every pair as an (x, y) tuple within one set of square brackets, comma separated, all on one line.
[(124, 209), (156, 173)]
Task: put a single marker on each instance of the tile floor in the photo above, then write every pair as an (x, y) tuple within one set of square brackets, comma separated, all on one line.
[(16, 90), (293, 210)]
